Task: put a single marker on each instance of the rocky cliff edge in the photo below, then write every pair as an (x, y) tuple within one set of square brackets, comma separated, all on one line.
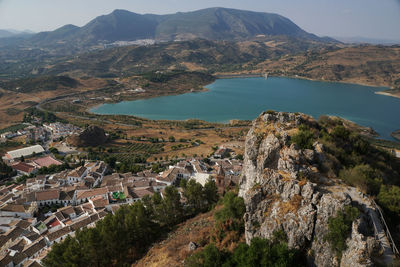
[(284, 189)]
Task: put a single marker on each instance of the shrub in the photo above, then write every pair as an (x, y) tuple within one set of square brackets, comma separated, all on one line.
[(389, 197), (304, 138), (364, 177), (341, 132), (339, 228)]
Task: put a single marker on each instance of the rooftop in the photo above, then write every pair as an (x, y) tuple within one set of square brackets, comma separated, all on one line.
[(23, 167), (46, 161), (47, 195), (27, 151)]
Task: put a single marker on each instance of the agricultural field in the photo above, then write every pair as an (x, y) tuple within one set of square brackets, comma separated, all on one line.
[(144, 148)]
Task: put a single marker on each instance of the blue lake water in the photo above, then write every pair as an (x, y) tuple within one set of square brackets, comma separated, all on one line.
[(246, 98)]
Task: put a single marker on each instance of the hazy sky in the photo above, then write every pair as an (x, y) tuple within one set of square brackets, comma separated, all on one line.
[(344, 18)]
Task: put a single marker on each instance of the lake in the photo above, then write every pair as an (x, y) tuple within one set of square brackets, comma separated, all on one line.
[(246, 98)]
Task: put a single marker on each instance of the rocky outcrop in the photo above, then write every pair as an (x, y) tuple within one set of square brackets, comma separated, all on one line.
[(284, 190), (91, 136)]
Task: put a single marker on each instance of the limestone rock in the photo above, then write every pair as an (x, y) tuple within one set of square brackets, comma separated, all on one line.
[(278, 197)]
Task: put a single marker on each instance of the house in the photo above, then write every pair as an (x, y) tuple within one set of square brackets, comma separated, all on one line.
[(68, 212), (67, 196), (77, 174), (99, 202), (84, 195), (221, 153), (48, 197), (58, 235), (24, 152), (33, 250), (173, 175), (24, 168), (35, 184), (39, 228), (45, 162), (20, 211)]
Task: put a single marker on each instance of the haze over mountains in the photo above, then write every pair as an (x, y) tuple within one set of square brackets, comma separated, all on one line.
[(14, 33), (211, 23)]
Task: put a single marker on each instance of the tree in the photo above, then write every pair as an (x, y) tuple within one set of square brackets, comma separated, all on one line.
[(261, 252), (210, 256), (171, 139), (210, 192), (194, 195), (172, 207), (234, 208)]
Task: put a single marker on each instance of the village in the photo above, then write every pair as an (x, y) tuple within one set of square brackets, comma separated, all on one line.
[(50, 199)]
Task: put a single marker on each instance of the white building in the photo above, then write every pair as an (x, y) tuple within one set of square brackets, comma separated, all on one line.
[(24, 152)]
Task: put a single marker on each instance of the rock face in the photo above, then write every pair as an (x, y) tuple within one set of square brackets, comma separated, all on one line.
[(91, 136), (279, 197)]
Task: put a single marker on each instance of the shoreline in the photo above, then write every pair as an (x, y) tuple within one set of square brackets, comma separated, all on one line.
[(387, 94), (90, 107), (261, 75), (248, 75)]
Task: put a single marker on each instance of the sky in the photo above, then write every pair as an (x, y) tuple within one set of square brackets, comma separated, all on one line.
[(378, 19)]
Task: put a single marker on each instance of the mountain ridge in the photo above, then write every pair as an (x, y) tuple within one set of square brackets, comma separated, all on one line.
[(211, 23)]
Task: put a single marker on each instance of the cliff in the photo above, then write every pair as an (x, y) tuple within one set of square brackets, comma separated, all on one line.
[(285, 188)]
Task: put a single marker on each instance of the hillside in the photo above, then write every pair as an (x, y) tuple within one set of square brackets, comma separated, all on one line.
[(193, 55), (316, 182), (371, 65), (43, 83), (211, 24)]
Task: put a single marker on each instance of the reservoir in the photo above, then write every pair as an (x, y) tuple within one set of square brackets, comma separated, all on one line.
[(246, 98)]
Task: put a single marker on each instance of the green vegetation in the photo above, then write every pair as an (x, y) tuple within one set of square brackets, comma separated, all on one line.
[(120, 239), (234, 208), (53, 169), (364, 177), (304, 138), (144, 147), (261, 252), (44, 116), (357, 162), (13, 128), (6, 171), (389, 199), (43, 83), (199, 198), (340, 229)]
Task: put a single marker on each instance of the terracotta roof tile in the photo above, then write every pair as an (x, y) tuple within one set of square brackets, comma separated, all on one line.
[(47, 195)]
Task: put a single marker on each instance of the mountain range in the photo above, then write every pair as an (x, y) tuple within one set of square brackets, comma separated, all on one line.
[(14, 33), (211, 24)]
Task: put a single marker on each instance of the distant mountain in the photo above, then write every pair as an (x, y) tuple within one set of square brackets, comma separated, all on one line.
[(366, 40), (14, 33), (5, 33), (211, 24)]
